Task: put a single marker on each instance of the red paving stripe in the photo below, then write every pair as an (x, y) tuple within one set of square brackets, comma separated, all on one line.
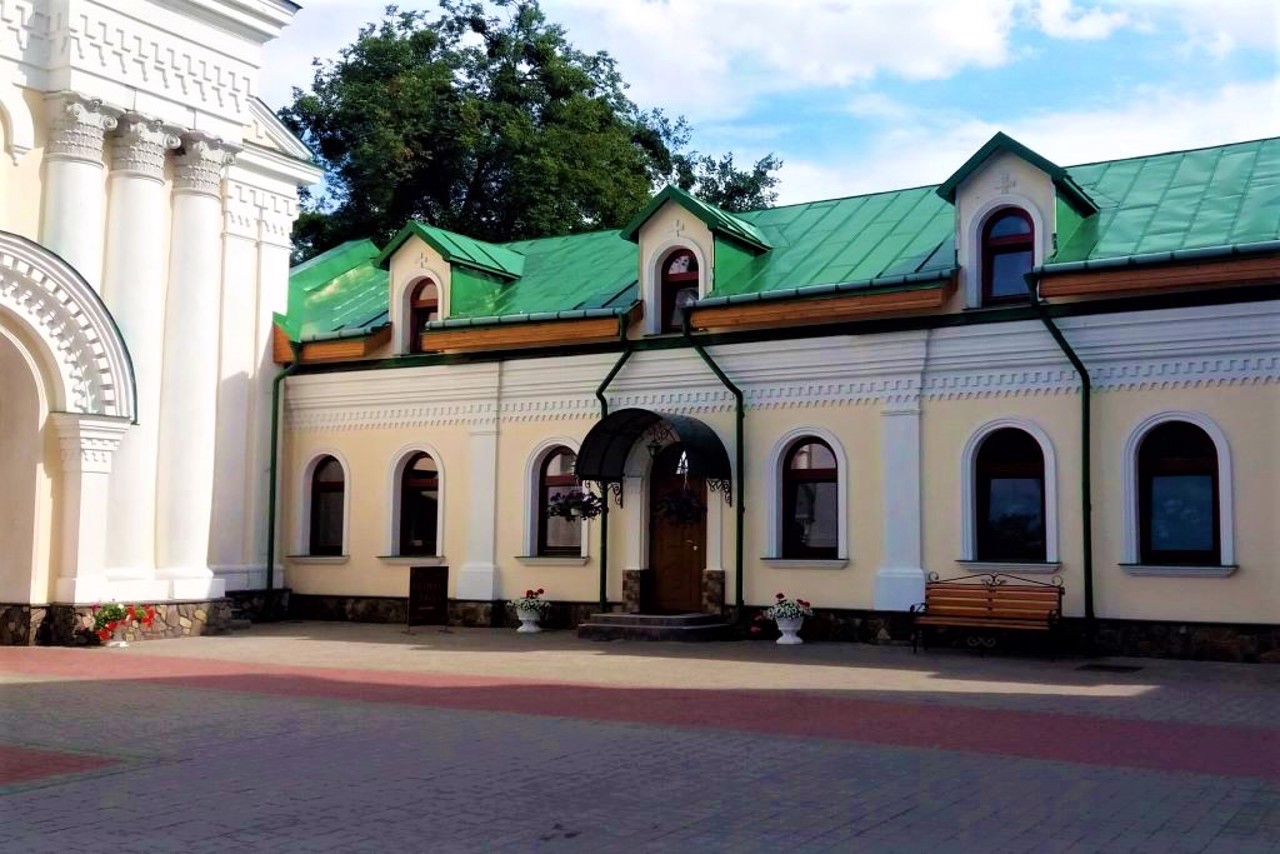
[(1157, 745), (27, 764)]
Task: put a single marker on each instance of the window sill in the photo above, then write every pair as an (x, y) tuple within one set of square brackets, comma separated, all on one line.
[(553, 560), (1180, 571), (805, 563), (420, 560), (331, 559), (1012, 567)]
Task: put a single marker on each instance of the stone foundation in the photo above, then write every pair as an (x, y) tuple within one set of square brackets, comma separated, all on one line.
[(712, 591), (474, 613), (1195, 641), (20, 624), (832, 625), (72, 625), (260, 606), (633, 590)]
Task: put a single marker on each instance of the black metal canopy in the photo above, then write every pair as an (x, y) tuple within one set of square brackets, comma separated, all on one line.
[(604, 451)]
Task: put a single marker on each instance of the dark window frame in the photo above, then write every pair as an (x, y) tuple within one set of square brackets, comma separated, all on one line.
[(996, 246), (413, 483), (421, 309), (320, 543), (987, 466), (546, 483), (1149, 468), (792, 548), (672, 284)]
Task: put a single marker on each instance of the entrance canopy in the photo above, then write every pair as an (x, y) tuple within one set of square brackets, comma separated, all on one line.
[(603, 456)]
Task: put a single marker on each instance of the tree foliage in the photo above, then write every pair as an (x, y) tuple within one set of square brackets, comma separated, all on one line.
[(485, 120)]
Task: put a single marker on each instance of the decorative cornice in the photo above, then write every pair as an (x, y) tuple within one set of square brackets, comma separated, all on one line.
[(139, 146), (200, 164), (87, 443), (78, 127)]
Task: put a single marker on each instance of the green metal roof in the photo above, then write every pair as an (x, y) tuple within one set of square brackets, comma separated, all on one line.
[(460, 250), (719, 221), (337, 293), (1225, 196), (1228, 195)]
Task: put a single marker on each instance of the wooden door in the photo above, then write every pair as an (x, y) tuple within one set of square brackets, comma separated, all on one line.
[(428, 596), (677, 541)]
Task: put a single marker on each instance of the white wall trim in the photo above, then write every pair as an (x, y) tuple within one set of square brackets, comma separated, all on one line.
[(533, 467), (773, 489), (653, 278), (391, 542), (302, 506), (1226, 483), (972, 233), (968, 483)]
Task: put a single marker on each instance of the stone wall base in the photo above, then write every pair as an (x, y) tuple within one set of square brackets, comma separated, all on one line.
[(462, 612), (260, 606), (20, 624), (64, 624), (1195, 641)]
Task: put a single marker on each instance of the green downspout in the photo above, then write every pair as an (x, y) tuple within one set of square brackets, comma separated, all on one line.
[(1086, 433), (276, 387), (739, 455), (604, 513)]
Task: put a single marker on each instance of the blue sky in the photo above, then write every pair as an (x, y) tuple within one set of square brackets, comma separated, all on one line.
[(865, 95)]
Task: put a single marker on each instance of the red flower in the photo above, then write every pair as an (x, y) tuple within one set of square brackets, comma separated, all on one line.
[(540, 591), (528, 594), (803, 603), (104, 634), (780, 596)]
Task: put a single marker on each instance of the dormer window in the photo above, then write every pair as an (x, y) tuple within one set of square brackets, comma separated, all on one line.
[(424, 306), (1008, 253), (679, 288)]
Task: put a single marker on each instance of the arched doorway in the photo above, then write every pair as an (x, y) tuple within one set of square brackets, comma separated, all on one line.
[(677, 532), (26, 522)]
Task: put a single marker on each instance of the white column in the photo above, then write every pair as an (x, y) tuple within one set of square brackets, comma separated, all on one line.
[(189, 375), (273, 296), (900, 577), (228, 545), (71, 224), (87, 444), (133, 287), (478, 578)]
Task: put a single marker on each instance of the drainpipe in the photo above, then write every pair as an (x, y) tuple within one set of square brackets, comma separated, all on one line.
[(739, 454), (604, 513), (277, 387), (1086, 478)]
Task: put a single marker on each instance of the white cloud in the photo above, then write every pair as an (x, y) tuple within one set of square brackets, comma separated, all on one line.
[(1216, 28), (925, 147), (1060, 19)]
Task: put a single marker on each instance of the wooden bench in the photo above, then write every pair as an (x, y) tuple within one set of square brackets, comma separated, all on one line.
[(991, 601)]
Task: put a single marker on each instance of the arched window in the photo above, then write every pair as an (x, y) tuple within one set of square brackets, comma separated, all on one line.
[(1008, 252), (424, 306), (419, 505), (556, 534), (679, 288), (1009, 499), (328, 488), (810, 501), (1178, 509)]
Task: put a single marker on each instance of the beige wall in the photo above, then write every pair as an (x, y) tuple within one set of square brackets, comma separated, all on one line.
[(536, 400), (20, 183)]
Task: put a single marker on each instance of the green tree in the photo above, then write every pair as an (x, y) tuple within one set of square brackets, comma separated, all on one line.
[(486, 120)]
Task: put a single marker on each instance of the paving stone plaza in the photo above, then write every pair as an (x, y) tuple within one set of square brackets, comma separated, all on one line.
[(341, 737)]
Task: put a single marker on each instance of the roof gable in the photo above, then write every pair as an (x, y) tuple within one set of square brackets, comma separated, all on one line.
[(720, 222), (459, 249), (268, 130), (1067, 188), (338, 292)]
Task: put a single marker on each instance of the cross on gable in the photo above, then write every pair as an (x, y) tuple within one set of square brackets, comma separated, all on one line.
[(1006, 182), (678, 228)]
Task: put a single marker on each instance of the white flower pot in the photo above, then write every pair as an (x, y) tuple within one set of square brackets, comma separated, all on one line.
[(789, 628), (117, 637), (528, 620)]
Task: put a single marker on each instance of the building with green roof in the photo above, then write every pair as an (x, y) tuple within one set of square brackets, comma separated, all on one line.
[(1029, 378)]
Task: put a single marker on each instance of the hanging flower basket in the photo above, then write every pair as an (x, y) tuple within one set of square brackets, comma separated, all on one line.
[(682, 506), (575, 504)]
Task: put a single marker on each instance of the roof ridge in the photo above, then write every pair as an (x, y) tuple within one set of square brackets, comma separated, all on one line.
[(1175, 151)]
